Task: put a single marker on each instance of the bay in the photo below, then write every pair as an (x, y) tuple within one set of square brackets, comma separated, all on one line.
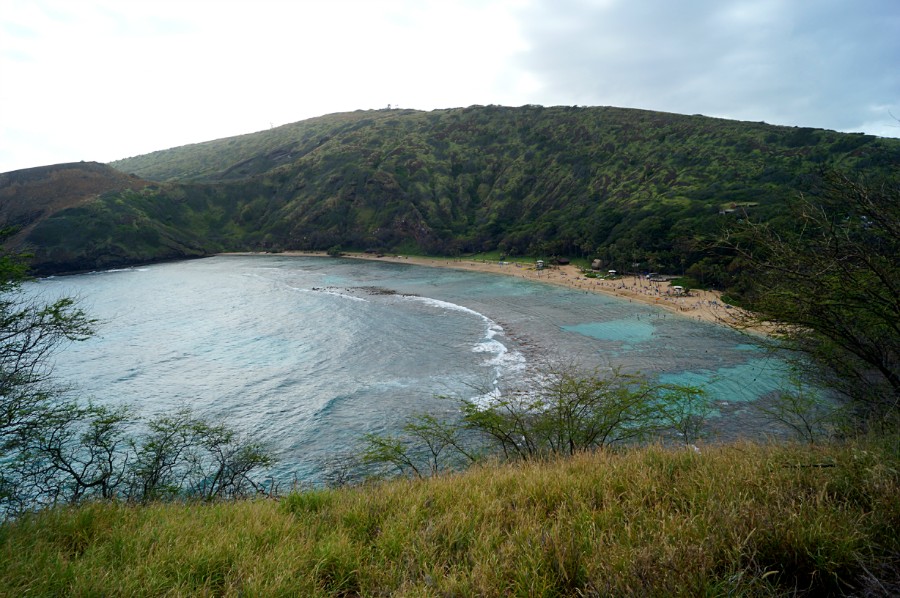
[(310, 354)]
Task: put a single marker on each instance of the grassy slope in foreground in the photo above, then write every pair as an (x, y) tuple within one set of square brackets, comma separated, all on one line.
[(734, 520)]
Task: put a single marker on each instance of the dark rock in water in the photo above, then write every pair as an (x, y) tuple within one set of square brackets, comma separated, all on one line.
[(372, 290)]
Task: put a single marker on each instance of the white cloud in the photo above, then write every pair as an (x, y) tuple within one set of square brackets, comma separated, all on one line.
[(813, 64)]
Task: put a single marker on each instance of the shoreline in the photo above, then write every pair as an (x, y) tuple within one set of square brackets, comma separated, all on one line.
[(702, 306)]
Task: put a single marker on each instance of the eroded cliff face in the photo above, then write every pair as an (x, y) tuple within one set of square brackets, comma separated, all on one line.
[(30, 195), (63, 216)]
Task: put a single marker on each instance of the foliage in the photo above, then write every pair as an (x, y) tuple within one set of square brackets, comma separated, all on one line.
[(802, 409), (54, 449), (736, 520), (182, 455), (426, 446), (31, 194), (627, 186), (556, 411), (685, 409), (75, 453), (133, 226), (687, 282), (564, 411), (31, 329), (830, 282)]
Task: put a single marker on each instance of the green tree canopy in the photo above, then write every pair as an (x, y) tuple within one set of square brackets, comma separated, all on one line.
[(830, 281), (56, 449)]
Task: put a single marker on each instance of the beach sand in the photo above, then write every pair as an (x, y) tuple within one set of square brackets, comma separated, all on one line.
[(705, 306)]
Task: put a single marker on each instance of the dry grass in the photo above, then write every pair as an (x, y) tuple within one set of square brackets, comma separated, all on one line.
[(734, 520)]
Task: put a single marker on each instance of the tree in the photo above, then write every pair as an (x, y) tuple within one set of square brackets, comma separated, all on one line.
[(31, 330), (801, 410), (55, 449), (426, 445), (76, 452), (158, 470), (557, 411), (180, 454), (221, 462), (685, 410), (831, 286), (566, 410)]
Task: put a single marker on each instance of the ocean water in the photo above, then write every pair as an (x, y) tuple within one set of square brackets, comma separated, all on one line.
[(310, 354)]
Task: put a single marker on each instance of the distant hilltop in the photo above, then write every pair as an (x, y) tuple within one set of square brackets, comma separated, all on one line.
[(29, 196), (627, 186)]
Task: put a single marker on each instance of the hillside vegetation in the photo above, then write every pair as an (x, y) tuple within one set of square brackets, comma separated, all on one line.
[(624, 185), (740, 520), (634, 188), (30, 195)]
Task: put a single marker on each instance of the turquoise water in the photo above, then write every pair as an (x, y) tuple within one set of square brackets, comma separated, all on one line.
[(312, 353), (628, 332), (743, 382)]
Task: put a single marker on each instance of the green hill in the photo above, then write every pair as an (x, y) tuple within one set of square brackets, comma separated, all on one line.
[(623, 185), (30, 195), (85, 215)]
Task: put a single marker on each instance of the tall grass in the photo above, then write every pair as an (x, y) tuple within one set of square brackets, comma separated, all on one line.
[(742, 519)]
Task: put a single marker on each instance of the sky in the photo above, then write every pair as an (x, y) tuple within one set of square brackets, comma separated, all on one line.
[(101, 80)]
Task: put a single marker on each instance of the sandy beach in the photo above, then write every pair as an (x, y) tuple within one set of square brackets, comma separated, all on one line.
[(706, 306)]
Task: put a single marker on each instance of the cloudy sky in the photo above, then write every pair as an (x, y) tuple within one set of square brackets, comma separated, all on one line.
[(108, 79)]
